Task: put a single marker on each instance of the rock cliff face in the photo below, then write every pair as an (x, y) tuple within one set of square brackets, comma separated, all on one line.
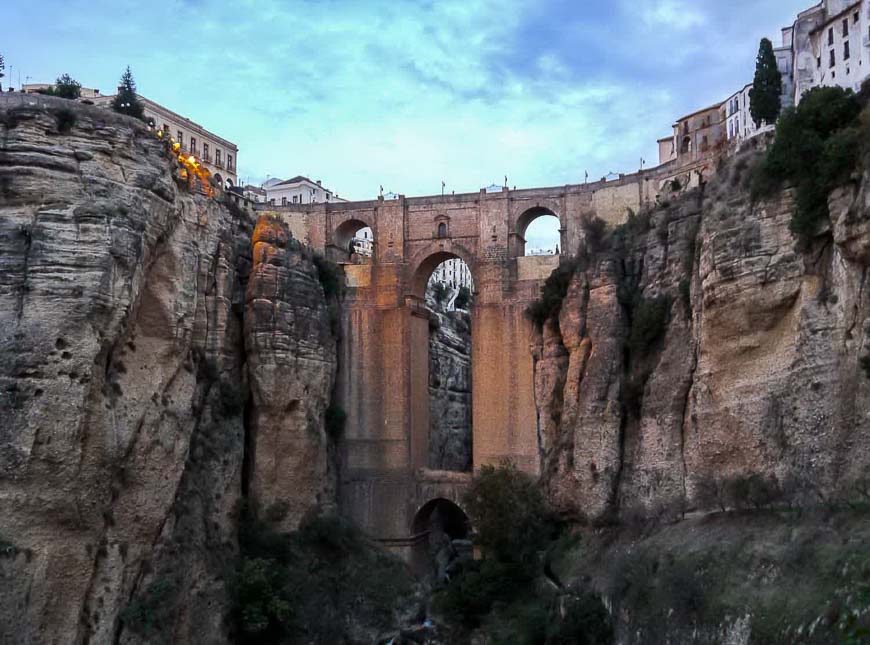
[(123, 381), (291, 365), (754, 371), (450, 392)]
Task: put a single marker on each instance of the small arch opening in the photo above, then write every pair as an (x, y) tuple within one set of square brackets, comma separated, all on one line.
[(354, 242), (442, 531), (540, 233), (442, 230)]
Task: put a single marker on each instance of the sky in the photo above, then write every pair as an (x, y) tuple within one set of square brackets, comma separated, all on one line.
[(368, 93)]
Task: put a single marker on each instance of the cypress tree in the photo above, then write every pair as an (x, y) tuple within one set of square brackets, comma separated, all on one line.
[(765, 97), (126, 101), (2, 68)]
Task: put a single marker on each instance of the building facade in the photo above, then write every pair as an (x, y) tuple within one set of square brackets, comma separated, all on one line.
[(454, 273), (215, 153), (299, 190), (255, 194), (695, 136)]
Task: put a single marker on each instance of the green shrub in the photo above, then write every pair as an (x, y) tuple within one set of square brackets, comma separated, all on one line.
[(439, 292), (313, 584), (594, 233), (66, 119), (553, 292), (816, 148), (463, 300), (66, 87), (150, 612), (511, 517), (472, 595), (752, 491), (330, 276), (648, 325), (513, 527)]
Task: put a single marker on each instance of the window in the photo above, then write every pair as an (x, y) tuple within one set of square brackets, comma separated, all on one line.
[(284, 201), (217, 157), (831, 36), (205, 151), (833, 59), (845, 27), (192, 145), (294, 199), (179, 136), (819, 62), (442, 230), (846, 50), (855, 17), (229, 162)]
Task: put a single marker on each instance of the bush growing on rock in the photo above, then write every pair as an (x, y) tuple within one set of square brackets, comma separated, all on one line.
[(553, 292), (66, 119), (313, 583), (510, 515), (817, 146)]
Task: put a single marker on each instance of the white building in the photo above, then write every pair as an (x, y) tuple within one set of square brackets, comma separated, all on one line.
[(739, 123), (299, 190), (215, 153), (830, 45), (454, 273), (363, 242), (255, 194)]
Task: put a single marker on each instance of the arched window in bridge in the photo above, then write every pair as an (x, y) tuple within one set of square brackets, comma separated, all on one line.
[(442, 229), (543, 235), (354, 241)]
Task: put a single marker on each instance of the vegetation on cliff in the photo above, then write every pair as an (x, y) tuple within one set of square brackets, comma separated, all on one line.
[(817, 147), (507, 595), (322, 583)]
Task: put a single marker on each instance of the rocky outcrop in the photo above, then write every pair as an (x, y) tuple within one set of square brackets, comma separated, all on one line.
[(450, 391), (291, 350), (755, 370), (121, 383)]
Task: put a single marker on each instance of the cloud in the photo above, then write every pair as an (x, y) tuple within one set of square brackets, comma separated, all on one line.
[(674, 14)]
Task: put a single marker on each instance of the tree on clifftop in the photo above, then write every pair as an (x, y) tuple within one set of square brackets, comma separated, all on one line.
[(66, 87), (126, 101), (765, 97), (2, 67)]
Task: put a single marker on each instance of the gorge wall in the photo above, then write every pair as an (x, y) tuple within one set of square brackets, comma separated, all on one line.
[(128, 434), (450, 391), (700, 346)]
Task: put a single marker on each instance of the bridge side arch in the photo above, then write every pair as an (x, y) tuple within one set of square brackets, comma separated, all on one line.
[(524, 219)]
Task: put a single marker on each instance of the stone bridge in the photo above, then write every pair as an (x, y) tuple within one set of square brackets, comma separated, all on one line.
[(383, 382)]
